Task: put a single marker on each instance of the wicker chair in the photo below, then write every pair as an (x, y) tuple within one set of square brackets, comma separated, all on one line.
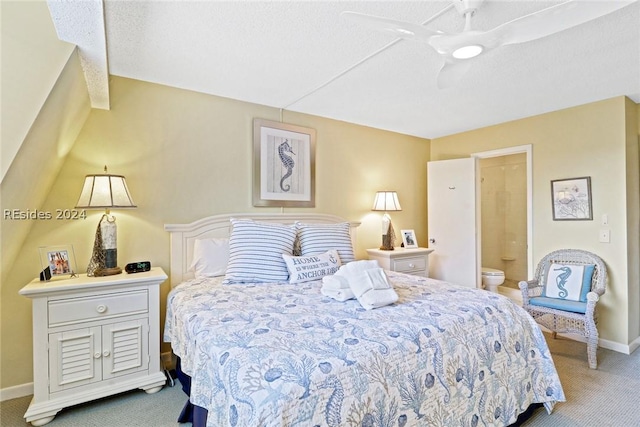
[(559, 320)]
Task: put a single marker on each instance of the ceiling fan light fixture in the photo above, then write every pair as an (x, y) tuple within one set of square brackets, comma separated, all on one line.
[(466, 52), (404, 31)]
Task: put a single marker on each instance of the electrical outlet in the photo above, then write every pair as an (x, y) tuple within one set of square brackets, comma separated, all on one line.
[(605, 236)]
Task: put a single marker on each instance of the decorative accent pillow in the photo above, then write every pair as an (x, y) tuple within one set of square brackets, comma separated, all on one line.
[(568, 282), (255, 252), (210, 257), (318, 238), (312, 267)]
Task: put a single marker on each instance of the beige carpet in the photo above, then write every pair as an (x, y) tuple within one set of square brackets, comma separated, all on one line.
[(608, 396), (605, 397), (134, 408)]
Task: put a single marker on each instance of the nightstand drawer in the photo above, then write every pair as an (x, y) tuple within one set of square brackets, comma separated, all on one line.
[(407, 265), (86, 309)]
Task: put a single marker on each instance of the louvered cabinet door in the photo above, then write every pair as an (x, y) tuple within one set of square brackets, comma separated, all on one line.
[(75, 358), (125, 348)]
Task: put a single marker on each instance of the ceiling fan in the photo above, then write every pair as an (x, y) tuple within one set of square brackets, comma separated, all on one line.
[(458, 49)]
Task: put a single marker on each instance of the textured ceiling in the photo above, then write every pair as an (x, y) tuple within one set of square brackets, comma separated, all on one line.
[(301, 56)]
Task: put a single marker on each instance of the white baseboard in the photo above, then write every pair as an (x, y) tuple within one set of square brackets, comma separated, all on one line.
[(16, 392), (609, 345), (634, 345), (23, 390)]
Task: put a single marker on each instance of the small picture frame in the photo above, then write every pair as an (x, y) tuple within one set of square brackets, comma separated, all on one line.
[(59, 260), (409, 238), (571, 199)]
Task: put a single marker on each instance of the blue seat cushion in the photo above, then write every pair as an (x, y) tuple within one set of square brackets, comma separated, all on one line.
[(560, 304)]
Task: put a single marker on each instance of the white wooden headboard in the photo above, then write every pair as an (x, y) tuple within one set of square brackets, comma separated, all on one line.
[(183, 236)]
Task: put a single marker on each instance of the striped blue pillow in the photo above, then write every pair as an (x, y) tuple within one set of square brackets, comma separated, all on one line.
[(319, 238), (255, 252)]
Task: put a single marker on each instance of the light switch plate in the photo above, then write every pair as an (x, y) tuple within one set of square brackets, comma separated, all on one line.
[(605, 236)]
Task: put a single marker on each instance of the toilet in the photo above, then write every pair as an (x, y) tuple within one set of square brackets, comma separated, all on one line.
[(492, 278)]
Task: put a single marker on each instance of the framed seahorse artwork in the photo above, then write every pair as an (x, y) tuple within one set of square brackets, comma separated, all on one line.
[(283, 164), (571, 199)]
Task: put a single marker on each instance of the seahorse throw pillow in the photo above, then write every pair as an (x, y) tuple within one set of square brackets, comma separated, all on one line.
[(568, 282)]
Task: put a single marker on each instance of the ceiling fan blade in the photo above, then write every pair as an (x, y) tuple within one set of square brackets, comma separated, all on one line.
[(549, 21), (406, 30), (451, 72)]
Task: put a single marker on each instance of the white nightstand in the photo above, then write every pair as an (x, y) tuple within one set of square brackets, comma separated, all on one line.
[(93, 337), (410, 260)]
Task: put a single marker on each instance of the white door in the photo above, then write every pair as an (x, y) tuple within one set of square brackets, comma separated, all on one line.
[(454, 221)]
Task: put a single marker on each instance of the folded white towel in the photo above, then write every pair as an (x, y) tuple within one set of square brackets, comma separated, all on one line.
[(335, 282), (354, 268), (372, 288), (364, 280), (336, 286), (341, 295), (381, 292)]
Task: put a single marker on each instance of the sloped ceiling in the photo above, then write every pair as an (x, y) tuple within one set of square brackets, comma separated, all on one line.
[(301, 56)]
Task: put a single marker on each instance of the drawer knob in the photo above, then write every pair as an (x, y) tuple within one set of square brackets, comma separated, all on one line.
[(101, 308), (411, 265), (96, 355)]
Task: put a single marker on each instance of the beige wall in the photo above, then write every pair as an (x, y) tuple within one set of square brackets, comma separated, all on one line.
[(589, 140), (186, 155), (27, 184), (37, 57)]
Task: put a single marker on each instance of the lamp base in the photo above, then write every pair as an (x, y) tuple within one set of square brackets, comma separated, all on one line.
[(107, 271), (387, 243), (388, 239)]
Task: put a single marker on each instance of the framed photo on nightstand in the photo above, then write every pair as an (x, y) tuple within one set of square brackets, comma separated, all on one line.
[(59, 260), (409, 238)]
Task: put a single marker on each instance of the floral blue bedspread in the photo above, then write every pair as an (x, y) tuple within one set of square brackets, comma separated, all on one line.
[(284, 355)]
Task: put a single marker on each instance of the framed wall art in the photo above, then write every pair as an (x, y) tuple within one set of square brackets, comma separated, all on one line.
[(58, 261), (283, 164), (409, 238), (571, 199)]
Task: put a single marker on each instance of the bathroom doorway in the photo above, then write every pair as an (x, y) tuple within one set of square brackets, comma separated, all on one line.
[(505, 204)]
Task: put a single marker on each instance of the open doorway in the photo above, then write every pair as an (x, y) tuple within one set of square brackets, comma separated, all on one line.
[(506, 214)]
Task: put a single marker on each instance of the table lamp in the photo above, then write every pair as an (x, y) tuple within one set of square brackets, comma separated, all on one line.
[(105, 191), (387, 201)]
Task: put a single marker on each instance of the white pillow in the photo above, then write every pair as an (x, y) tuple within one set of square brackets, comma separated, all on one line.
[(210, 257), (312, 267), (318, 238), (255, 252)]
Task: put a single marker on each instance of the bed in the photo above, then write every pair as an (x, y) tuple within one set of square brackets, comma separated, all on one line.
[(274, 353)]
